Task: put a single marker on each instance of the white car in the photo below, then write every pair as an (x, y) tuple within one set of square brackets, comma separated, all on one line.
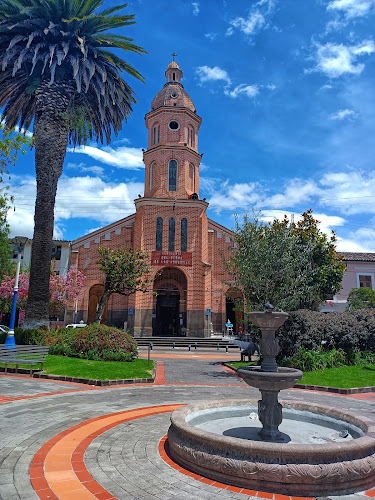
[(76, 325)]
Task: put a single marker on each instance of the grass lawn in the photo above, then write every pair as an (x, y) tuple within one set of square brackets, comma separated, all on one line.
[(99, 370), (238, 364), (344, 377)]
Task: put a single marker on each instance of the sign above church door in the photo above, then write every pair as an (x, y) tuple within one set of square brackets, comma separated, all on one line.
[(171, 258)]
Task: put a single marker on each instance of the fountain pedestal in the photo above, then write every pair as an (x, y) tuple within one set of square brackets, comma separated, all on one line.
[(271, 416)]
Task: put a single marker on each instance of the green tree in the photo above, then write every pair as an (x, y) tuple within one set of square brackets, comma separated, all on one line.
[(361, 298), (292, 265), (126, 272), (57, 70), (11, 143)]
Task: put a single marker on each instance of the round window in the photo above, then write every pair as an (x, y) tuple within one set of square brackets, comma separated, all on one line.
[(174, 94), (173, 125)]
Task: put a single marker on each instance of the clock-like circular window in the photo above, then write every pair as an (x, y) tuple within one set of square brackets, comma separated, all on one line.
[(174, 94), (173, 125)]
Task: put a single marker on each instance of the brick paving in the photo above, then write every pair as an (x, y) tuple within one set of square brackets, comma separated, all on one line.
[(112, 436)]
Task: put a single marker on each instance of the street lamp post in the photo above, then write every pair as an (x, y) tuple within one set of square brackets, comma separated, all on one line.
[(76, 309), (19, 243)]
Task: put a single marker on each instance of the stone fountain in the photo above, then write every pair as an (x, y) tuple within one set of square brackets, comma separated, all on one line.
[(269, 378), (285, 447)]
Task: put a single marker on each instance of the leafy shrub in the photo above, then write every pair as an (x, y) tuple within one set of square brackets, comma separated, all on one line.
[(351, 331), (25, 337), (361, 298), (105, 341), (315, 360), (309, 361), (96, 342)]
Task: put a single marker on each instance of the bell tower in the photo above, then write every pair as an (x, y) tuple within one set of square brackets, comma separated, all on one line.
[(172, 159), (171, 222)]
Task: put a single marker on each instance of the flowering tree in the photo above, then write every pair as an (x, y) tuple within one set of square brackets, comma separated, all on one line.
[(62, 290)]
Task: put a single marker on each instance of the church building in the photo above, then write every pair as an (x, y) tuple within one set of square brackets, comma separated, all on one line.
[(187, 250)]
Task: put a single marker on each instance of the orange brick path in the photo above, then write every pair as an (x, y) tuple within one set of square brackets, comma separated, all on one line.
[(58, 471)]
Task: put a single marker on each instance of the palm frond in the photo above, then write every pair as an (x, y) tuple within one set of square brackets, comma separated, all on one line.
[(51, 43)]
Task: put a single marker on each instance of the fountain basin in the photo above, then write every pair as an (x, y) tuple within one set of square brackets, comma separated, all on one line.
[(271, 381), (267, 320), (290, 468)]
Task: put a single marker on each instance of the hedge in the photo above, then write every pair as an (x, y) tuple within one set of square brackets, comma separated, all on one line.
[(351, 331), (96, 342)]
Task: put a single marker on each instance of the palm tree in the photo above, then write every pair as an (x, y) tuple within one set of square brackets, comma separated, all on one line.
[(58, 74)]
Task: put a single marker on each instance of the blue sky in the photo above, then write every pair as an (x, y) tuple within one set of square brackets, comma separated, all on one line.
[(286, 92)]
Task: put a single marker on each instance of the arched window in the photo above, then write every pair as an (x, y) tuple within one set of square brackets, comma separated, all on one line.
[(159, 234), (172, 231), (151, 174), (156, 134), (172, 175), (190, 136), (184, 235), (192, 177)]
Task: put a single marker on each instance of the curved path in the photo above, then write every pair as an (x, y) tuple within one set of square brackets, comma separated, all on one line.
[(69, 441)]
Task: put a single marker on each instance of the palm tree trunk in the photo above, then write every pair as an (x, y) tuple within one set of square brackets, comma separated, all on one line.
[(102, 303), (51, 139)]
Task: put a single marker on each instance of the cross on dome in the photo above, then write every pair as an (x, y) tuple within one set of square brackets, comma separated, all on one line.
[(174, 55)]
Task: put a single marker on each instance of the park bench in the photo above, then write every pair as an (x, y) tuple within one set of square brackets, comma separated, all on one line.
[(23, 355), (249, 351)]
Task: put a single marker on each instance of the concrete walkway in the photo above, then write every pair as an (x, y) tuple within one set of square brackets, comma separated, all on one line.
[(69, 441)]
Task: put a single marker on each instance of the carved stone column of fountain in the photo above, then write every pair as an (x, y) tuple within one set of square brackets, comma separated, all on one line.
[(269, 378)]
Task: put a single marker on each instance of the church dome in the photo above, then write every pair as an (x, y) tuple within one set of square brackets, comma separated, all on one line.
[(173, 92), (173, 64)]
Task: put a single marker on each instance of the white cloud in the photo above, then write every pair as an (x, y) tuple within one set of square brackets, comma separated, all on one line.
[(325, 87), (211, 36), (327, 223), (350, 192), (195, 6), (83, 168), (256, 19), (336, 60), (205, 74), (295, 191), (364, 238), (121, 157), (84, 197), (249, 26), (248, 90), (351, 8), (342, 114), (233, 197)]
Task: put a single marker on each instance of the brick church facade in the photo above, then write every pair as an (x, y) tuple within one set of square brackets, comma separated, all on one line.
[(187, 250)]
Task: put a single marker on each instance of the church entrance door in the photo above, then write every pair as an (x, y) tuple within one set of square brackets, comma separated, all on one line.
[(169, 310)]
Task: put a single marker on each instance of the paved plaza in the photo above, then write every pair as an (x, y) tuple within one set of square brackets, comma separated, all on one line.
[(70, 441)]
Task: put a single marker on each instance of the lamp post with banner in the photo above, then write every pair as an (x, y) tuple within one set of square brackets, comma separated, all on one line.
[(19, 243)]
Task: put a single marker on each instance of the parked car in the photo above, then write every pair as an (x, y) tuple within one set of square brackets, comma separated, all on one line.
[(4, 329), (76, 325)]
